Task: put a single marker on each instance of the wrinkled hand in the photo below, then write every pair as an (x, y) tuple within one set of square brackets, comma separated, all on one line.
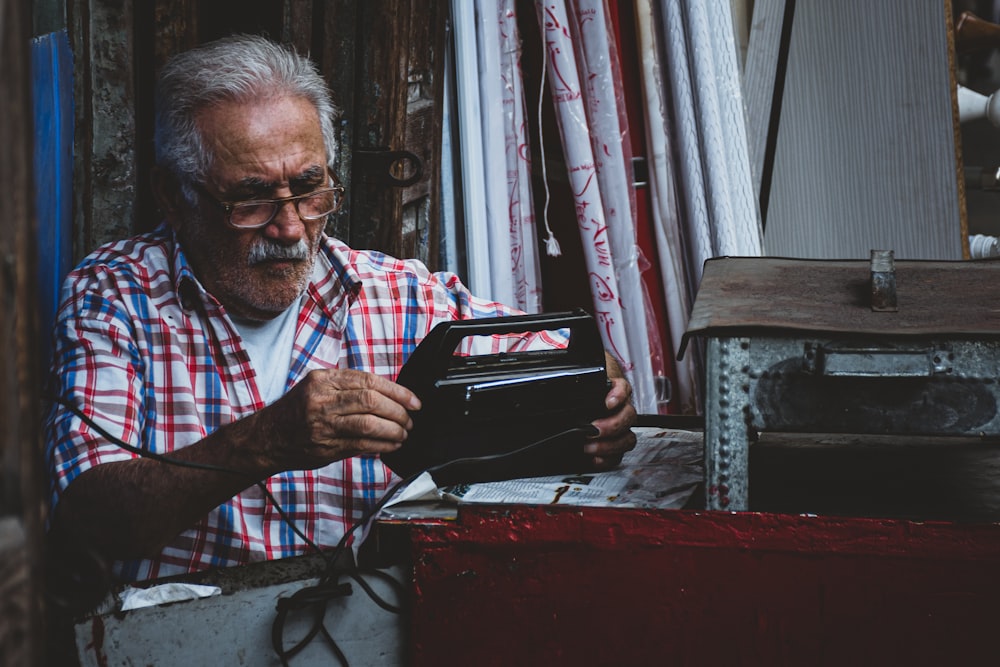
[(335, 414), (615, 435)]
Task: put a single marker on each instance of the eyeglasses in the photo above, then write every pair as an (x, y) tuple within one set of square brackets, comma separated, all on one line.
[(256, 213)]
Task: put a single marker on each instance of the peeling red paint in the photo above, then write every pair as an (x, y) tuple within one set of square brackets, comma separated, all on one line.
[(97, 643), (612, 586)]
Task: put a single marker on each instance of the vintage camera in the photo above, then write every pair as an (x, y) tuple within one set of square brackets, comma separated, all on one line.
[(493, 407)]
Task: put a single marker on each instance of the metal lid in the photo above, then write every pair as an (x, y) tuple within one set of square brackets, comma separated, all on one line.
[(742, 296)]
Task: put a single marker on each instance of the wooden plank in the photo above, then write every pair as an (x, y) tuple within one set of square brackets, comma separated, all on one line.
[(399, 90), (163, 28), (16, 594), (174, 29), (381, 91), (20, 495), (105, 179), (425, 95), (759, 77), (297, 25), (517, 585), (335, 54)]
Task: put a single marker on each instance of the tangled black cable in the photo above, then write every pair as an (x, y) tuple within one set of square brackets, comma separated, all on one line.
[(329, 586), (145, 453)]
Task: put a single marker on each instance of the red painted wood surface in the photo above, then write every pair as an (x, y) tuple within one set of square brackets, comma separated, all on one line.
[(561, 585)]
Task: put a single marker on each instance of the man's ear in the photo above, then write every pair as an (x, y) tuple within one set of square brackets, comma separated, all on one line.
[(168, 195)]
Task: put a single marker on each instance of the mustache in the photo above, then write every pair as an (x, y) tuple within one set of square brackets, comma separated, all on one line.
[(263, 250)]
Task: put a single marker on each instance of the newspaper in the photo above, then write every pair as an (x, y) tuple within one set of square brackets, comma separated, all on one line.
[(661, 472)]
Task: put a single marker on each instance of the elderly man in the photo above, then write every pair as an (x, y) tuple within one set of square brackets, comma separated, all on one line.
[(238, 336)]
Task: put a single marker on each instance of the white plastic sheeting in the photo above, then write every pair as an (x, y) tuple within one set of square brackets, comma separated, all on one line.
[(491, 96), (700, 178), (665, 213), (501, 242), (607, 127), (470, 137), (520, 209), (567, 96), (703, 199)]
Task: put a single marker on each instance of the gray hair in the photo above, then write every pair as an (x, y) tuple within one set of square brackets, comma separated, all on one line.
[(230, 69)]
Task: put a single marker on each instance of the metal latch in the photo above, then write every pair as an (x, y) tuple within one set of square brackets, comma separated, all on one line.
[(379, 163), (883, 281), (876, 361)]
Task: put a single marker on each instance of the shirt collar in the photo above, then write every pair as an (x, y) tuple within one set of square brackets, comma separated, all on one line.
[(186, 283), (334, 283)]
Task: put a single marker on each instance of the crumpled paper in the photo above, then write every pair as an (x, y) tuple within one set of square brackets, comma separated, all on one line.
[(421, 488), (137, 598)]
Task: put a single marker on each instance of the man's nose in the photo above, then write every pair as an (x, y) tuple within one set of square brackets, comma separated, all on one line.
[(286, 226)]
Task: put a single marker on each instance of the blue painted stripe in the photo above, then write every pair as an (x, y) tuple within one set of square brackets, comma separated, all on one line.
[(52, 93)]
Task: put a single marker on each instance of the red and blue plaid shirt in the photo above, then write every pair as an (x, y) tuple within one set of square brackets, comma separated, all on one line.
[(147, 353)]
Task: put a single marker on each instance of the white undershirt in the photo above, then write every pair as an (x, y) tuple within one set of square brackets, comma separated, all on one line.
[(269, 344)]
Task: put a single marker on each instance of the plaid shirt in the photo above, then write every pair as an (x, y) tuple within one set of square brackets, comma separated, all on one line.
[(152, 357)]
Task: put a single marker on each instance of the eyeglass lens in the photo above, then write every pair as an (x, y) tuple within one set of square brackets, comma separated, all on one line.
[(310, 207)]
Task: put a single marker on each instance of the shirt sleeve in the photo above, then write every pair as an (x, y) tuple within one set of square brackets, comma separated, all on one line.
[(97, 369)]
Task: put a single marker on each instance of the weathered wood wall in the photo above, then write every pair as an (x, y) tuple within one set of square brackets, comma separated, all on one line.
[(20, 506), (383, 60), (399, 91)]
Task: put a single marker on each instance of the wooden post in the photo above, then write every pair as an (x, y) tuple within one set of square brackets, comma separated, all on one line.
[(20, 497), (104, 175)]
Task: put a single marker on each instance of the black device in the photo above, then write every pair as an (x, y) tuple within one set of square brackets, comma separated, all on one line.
[(496, 404)]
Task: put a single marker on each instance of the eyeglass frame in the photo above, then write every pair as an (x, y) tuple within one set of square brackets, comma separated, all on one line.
[(229, 207)]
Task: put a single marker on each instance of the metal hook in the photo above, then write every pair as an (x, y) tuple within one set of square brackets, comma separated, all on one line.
[(379, 163)]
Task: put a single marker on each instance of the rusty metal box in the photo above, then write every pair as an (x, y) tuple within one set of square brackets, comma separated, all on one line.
[(804, 346)]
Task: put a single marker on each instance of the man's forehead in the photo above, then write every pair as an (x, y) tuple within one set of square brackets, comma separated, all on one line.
[(262, 144)]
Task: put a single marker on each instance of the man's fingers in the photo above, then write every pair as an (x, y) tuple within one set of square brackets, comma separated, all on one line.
[(611, 446), (365, 427), (617, 422), (346, 379), (331, 393), (619, 394), (615, 435)]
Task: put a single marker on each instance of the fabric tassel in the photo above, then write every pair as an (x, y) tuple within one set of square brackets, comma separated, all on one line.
[(552, 248)]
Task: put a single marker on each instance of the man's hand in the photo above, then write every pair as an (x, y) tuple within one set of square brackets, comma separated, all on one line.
[(615, 436), (335, 414)]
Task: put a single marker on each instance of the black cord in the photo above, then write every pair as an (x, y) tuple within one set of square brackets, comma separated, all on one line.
[(138, 451), (316, 597), (677, 422), (375, 597), (145, 453), (326, 589)]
